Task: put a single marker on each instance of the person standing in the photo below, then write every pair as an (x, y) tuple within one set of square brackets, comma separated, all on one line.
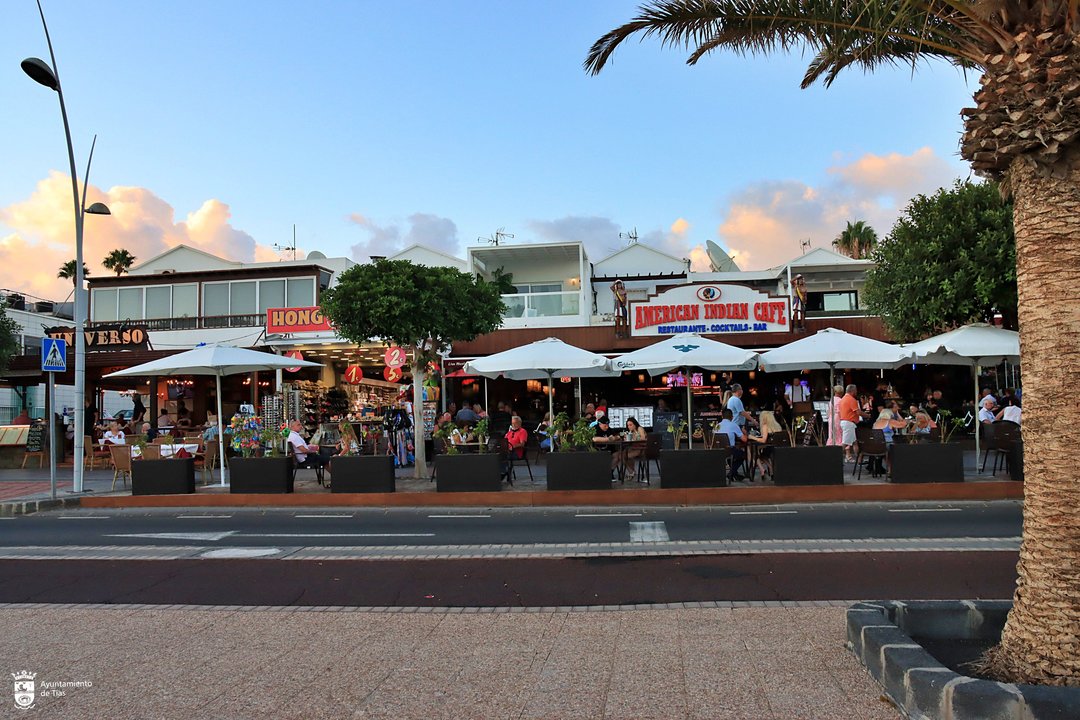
[(849, 418), (138, 410), (834, 418), (739, 412), (90, 418)]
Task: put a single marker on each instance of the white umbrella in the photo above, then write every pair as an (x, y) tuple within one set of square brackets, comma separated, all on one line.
[(830, 348), (972, 345), (218, 361), (687, 350), (542, 359)]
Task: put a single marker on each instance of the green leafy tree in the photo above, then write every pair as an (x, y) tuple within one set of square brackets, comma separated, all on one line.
[(67, 271), (950, 259), (119, 261), (1024, 129), (9, 338), (857, 240), (419, 308)]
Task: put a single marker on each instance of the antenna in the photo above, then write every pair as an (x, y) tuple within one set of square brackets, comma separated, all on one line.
[(289, 248), (631, 236), (804, 245), (498, 236)]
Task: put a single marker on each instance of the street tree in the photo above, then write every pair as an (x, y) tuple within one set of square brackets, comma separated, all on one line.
[(950, 259), (419, 308), (857, 240), (1023, 130), (9, 338), (67, 271), (119, 261)]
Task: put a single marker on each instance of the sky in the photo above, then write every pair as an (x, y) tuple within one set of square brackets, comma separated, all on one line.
[(374, 125)]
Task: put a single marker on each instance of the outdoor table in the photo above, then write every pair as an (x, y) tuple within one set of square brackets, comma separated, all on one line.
[(616, 445), (166, 450)]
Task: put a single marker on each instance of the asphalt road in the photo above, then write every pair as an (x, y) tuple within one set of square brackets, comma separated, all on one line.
[(506, 526)]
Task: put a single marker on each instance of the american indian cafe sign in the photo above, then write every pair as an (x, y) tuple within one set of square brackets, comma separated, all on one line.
[(710, 309)]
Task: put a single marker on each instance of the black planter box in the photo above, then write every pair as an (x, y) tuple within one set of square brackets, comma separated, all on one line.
[(1016, 462), (362, 474), (475, 472), (808, 465), (163, 477), (693, 468), (926, 462), (260, 475), (579, 470)]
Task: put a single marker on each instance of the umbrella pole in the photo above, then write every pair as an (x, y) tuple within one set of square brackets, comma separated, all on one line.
[(551, 408), (689, 412), (832, 367), (220, 433), (485, 395), (978, 423)]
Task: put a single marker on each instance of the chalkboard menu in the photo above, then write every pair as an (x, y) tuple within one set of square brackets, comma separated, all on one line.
[(35, 439)]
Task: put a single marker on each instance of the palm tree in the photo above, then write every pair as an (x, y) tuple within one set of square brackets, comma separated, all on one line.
[(1023, 130), (67, 271), (857, 240), (118, 261)]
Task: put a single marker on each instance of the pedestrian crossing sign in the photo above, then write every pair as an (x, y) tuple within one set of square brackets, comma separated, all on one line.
[(53, 355)]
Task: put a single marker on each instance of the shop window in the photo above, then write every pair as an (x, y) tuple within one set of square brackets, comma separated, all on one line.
[(215, 299), (301, 292), (242, 298), (185, 300), (159, 301), (130, 304), (104, 306), (271, 295), (832, 301)]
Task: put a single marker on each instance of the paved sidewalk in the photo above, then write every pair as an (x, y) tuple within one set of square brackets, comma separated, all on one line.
[(785, 663)]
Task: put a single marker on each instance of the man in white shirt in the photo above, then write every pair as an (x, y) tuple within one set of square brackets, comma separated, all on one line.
[(306, 455), (986, 412)]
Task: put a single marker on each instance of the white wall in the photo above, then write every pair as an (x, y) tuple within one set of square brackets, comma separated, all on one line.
[(424, 256), (182, 260), (638, 260)]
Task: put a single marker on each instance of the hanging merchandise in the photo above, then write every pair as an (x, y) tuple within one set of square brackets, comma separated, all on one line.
[(398, 426)]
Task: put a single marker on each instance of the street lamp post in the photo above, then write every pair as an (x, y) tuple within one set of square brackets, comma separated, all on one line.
[(49, 76)]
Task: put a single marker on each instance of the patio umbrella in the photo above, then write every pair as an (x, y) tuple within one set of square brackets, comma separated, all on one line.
[(687, 350), (542, 359), (972, 345), (216, 360), (830, 348)]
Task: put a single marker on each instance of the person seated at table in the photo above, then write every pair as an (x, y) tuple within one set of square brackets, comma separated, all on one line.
[(183, 416), (467, 414), (542, 432), (923, 424), (164, 420), (348, 444), (114, 435), (986, 411), (736, 439), (1010, 411), (22, 418), (888, 424), (148, 432), (636, 435), (769, 425), (609, 437), (516, 437), (306, 455)]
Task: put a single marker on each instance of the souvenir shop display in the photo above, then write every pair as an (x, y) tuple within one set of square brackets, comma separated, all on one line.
[(397, 424)]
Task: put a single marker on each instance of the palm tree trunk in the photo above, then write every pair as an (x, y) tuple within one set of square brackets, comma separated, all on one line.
[(1041, 640)]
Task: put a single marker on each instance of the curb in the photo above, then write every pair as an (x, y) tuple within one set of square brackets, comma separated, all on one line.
[(28, 507), (880, 635)]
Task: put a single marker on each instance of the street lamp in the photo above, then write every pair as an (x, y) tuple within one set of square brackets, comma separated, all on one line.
[(47, 75)]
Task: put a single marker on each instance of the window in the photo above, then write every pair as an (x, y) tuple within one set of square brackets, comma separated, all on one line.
[(832, 301), (130, 304), (301, 292), (159, 301), (185, 300), (271, 295), (215, 299), (242, 298), (104, 302)]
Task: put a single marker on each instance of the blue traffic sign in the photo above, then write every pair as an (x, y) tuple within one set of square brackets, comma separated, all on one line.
[(53, 355)]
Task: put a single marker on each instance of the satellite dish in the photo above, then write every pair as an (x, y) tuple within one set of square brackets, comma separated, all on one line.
[(720, 260), (315, 255)]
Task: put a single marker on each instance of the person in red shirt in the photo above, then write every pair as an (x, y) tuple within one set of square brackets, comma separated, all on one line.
[(516, 437), (849, 418)]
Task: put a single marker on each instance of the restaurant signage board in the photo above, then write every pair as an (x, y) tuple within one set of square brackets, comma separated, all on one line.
[(102, 336), (296, 320), (709, 309)]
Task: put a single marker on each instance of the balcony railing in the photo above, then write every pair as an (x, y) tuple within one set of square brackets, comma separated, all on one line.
[(541, 304), (192, 323)]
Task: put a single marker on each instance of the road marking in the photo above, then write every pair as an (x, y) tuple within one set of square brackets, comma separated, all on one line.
[(84, 517), (929, 510), (591, 515), (180, 536), (322, 516), (329, 535), (201, 517), (459, 516), (648, 532), (238, 553), (764, 512)]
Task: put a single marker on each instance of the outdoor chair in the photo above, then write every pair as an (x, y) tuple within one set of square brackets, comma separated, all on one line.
[(121, 460), (514, 459), (93, 451), (1006, 436), (151, 452), (652, 453), (510, 459), (986, 438), (207, 461), (306, 465), (872, 446), (438, 447)]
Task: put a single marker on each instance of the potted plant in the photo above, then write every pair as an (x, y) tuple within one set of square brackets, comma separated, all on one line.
[(355, 472), (576, 463), (929, 461), (817, 464), (701, 466), (468, 472), (253, 471), (167, 476)]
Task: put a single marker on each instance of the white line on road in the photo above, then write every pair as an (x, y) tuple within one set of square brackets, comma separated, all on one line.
[(202, 517), (764, 512), (322, 516), (590, 515), (929, 510), (179, 536), (458, 516), (84, 517), (359, 535), (648, 532)]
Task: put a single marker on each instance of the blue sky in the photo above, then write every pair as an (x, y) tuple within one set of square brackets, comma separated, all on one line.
[(373, 124)]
